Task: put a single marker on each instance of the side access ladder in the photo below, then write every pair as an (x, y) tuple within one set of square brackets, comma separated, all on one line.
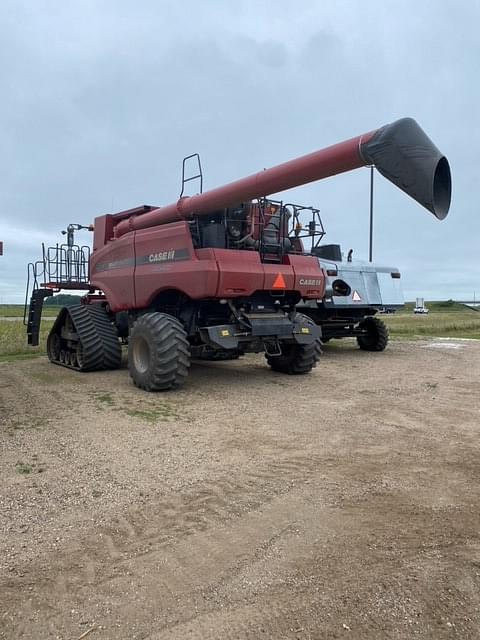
[(35, 314)]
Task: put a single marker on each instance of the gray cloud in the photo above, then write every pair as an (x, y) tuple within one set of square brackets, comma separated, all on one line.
[(101, 101)]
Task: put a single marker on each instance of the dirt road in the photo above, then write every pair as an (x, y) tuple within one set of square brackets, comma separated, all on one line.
[(344, 504)]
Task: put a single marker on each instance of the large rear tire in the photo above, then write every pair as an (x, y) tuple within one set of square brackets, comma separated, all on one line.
[(297, 359), (376, 336), (158, 352)]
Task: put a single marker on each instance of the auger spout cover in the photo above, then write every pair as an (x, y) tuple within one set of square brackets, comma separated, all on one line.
[(405, 155)]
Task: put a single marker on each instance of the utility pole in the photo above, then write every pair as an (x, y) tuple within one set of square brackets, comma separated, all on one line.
[(370, 249)]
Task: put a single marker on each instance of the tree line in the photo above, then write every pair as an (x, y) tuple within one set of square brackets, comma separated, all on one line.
[(62, 300)]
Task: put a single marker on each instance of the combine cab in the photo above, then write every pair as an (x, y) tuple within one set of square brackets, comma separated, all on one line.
[(220, 273)]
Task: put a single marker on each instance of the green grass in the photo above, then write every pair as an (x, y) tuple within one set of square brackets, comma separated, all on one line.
[(154, 413), (446, 319), (456, 321), (442, 306), (13, 340), (11, 310), (54, 376), (23, 468), (16, 310), (153, 416), (19, 424), (104, 398), (15, 357)]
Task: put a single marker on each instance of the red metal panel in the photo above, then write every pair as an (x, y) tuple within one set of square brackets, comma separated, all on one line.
[(103, 231), (112, 269), (309, 277), (166, 259), (240, 272)]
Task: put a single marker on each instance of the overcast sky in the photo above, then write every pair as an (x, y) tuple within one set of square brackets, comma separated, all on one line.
[(101, 100)]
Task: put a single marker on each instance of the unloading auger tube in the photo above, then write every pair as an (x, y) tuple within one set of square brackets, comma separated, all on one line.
[(400, 151)]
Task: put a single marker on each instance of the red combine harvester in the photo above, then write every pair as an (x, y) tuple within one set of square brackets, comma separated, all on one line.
[(217, 274)]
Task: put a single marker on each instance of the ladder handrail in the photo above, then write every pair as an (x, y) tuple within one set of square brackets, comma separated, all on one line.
[(30, 268), (196, 176)]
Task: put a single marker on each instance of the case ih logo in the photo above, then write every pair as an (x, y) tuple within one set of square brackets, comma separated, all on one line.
[(163, 256), (310, 283), (169, 255)]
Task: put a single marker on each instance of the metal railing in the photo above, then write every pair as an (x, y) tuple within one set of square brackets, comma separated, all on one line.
[(63, 266)]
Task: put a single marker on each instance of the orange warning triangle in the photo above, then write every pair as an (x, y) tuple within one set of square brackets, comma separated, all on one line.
[(279, 282)]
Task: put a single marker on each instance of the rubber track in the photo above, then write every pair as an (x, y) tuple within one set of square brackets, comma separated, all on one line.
[(88, 337), (112, 351), (98, 337)]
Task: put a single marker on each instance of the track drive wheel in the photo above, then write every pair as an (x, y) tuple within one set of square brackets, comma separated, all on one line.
[(158, 352), (297, 359), (53, 347), (376, 336)]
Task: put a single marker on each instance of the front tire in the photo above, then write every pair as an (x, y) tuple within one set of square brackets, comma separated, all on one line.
[(297, 359), (376, 336), (158, 352)]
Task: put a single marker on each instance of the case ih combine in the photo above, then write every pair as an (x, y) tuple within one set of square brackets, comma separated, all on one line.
[(220, 273)]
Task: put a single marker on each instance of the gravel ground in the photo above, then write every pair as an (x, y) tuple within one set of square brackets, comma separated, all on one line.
[(343, 504)]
